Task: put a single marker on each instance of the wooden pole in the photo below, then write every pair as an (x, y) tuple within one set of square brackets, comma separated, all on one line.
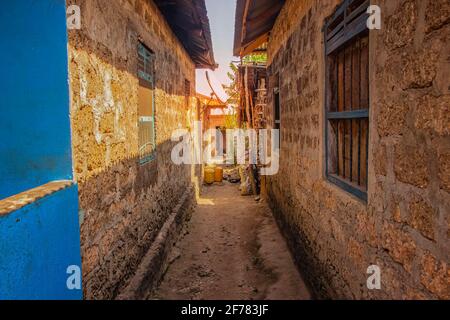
[(247, 103), (250, 126)]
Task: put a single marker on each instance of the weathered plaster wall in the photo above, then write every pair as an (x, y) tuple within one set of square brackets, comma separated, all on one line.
[(39, 229), (33, 152), (38, 243), (404, 227), (123, 203)]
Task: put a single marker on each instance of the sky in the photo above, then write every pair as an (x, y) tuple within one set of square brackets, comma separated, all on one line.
[(221, 15)]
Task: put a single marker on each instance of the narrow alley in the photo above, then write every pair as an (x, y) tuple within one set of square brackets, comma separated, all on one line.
[(231, 249), (225, 150)]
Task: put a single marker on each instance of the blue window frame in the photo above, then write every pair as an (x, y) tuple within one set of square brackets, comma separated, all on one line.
[(347, 97), (146, 105)]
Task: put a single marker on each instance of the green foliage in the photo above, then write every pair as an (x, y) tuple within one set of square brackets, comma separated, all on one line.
[(232, 90), (231, 121), (259, 58)]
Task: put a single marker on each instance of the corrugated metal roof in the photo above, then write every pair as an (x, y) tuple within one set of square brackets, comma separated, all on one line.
[(254, 21), (189, 21)]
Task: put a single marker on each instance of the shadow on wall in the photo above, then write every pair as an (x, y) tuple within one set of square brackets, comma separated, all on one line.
[(123, 209), (123, 204)]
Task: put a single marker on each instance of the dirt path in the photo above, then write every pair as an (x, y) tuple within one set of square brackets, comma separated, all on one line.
[(231, 249)]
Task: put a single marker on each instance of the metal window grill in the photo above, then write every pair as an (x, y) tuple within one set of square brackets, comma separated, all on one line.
[(146, 125), (146, 64), (347, 97)]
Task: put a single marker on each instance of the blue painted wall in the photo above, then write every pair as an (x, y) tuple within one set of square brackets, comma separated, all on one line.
[(34, 99), (40, 241), (37, 245)]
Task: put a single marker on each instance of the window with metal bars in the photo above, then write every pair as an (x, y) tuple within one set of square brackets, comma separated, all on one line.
[(146, 105), (347, 97)]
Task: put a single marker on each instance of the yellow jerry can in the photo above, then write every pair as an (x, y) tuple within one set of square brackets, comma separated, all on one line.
[(209, 175), (218, 176)]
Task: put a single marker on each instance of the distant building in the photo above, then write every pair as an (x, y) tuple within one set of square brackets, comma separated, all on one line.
[(214, 115)]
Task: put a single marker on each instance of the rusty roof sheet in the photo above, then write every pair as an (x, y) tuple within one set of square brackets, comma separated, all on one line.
[(254, 21), (189, 21)]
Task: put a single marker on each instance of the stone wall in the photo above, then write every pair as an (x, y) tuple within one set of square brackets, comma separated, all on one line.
[(123, 204), (404, 226)]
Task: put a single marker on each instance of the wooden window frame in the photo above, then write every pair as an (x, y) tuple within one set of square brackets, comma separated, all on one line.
[(346, 26), (146, 78)]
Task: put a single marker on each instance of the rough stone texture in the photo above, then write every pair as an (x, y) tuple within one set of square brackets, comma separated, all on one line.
[(123, 204), (422, 217), (399, 245), (392, 119), (380, 160), (435, 276), (444, 169), (411, 165), (433, 115), (404, 226), (437, 15), (156, 260)]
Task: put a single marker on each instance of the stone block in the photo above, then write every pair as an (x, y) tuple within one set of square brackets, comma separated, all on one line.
[(422, 217), (435, 276), (432, 115), (401, 26), (437, 14), (419, 68), (411, 165), (391, 119), (444, 169), (400, 246)]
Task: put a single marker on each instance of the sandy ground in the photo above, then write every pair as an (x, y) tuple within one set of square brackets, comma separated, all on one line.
[(231, 249)]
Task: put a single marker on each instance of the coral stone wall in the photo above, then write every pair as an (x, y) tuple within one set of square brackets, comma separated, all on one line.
[(123, 204), (404, 226)]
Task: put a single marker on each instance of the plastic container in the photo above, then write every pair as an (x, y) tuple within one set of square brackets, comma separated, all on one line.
[(209, 175), (218, 174)]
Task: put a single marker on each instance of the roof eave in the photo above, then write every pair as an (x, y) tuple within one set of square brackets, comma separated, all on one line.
[(189, 21), (253, 24)]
